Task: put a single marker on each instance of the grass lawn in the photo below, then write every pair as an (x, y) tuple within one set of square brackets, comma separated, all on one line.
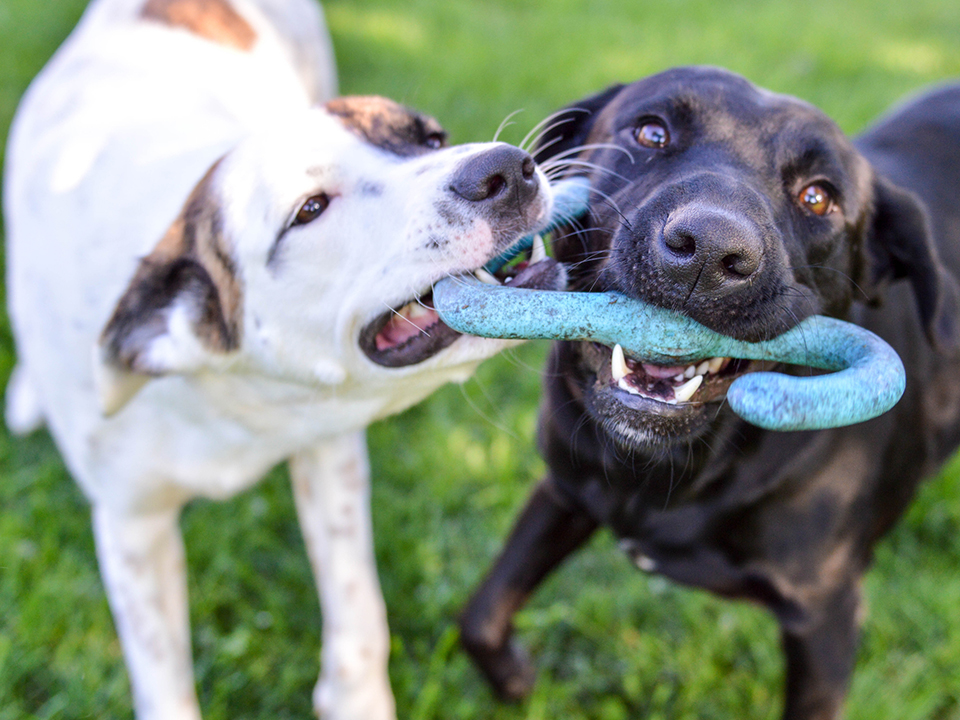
[(450, 474)]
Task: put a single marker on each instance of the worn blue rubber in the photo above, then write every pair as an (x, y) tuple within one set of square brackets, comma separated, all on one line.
[(570, 199), (868, 381)]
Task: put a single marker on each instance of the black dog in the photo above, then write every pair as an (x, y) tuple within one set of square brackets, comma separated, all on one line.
[(748, 211)]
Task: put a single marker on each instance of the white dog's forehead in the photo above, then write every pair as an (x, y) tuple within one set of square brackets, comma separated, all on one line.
[(350, 144)]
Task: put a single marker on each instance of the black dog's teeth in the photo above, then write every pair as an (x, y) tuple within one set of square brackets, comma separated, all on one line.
[(683, 385)]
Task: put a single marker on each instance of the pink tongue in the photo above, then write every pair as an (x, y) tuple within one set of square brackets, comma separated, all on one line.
[(655, 371), (400, 329)]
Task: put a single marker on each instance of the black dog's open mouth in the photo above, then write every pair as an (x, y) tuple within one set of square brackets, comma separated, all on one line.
[(700, 382), (414, 332)]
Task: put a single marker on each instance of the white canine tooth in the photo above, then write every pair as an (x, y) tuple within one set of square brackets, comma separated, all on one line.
[(689, 372), (539, 251), (715, 365), (618, 364), (686, 391), (485, 277), (703, 367)]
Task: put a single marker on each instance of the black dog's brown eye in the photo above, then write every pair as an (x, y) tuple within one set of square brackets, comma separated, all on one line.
[(817, 199), (436, 140), (652, 135), (311, 209)]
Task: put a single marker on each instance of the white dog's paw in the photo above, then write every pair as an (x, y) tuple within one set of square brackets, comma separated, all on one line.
[(354, 691)]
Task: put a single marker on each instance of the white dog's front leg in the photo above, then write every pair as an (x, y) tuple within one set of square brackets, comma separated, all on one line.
[(142, 564), (332, 491)]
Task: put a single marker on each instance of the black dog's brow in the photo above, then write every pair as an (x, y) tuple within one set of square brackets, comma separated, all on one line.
[(812, 156)]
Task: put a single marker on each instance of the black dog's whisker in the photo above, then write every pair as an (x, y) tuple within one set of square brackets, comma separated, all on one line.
[(853, 282), (543, 127), (592, 146), (568, 163), (552, 126)]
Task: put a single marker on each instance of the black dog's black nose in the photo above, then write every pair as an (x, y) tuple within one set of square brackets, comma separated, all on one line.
[(503, 175), (709, 249)]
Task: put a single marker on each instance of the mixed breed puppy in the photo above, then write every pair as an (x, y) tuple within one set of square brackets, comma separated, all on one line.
[(213, 266)]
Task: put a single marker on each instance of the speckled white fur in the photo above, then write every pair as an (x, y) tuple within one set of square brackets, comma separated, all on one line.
[(106, 146)]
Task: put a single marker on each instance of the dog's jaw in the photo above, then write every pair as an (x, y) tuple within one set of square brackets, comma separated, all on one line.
[(414, 332), (644, 406), (411, 332)]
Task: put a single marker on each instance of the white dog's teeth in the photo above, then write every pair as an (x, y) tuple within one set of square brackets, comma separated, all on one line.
[(624, 385), (485, 277), (690, 372), (686, 391), (703, 367), (415, 310), (618, 364), (678, 378), (715, 365), (539, 250)]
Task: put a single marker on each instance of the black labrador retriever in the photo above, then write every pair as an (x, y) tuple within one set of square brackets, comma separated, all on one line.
[(748, 211)]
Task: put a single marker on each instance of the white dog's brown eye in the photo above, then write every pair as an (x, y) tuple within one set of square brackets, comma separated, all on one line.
[(817, 199), (311, 209), (652, 135)]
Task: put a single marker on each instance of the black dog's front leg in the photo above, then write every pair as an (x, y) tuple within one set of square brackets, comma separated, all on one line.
[(547, 531), (820, 658)]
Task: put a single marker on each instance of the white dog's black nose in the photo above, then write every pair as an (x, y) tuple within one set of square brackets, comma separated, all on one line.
[(504, 177)]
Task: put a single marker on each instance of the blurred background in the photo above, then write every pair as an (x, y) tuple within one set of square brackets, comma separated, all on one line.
[(450, 474)]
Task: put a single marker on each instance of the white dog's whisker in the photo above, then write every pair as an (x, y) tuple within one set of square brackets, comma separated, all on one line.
[(505, 123)]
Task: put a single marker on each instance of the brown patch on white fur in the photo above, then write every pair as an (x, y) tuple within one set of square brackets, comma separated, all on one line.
[(192, 261), (214, 20), (387, 125)]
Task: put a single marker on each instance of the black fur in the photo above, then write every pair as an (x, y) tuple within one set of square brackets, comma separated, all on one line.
[(788, 520)]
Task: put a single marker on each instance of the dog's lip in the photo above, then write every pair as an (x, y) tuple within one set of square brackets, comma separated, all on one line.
[(406, 335), (666, 389), (413, 332)]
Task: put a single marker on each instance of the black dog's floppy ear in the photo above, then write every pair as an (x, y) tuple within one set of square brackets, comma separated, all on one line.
[(570, 127), (900, 244)]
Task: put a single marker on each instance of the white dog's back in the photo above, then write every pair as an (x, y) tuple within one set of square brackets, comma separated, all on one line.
[(128, 110)]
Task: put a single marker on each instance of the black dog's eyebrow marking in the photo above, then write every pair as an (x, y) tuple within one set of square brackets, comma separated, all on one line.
[(814, 157)]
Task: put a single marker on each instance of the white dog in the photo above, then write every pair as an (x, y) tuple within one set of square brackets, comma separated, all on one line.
[(207, 277)]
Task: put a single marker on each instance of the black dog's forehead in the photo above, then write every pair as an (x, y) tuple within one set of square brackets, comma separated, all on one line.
[(722, 118), (715, 95), (387, 125), (723, 107)]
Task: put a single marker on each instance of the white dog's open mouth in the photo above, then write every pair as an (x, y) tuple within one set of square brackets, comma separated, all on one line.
[(413, 332)]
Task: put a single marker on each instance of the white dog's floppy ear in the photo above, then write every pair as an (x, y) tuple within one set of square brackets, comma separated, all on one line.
[(180, 311)]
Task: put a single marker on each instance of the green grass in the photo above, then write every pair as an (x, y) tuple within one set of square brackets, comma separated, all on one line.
[(451, 473)]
